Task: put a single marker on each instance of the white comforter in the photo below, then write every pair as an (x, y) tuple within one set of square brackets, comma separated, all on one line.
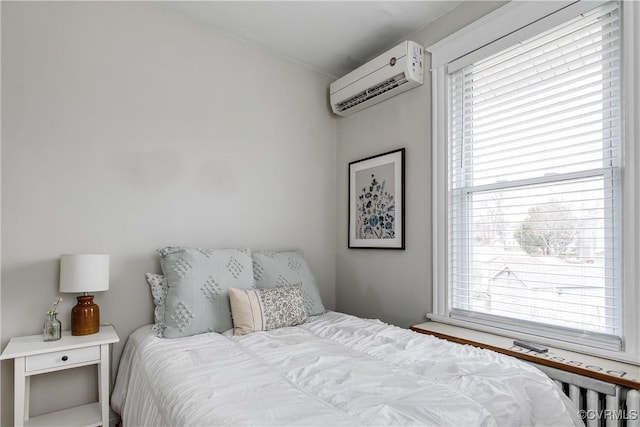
[(334, 370)]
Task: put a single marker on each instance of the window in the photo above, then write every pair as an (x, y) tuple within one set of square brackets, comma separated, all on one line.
[(529, 170)]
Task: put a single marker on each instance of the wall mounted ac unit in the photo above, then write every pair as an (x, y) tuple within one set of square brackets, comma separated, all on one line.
[(395, 71)]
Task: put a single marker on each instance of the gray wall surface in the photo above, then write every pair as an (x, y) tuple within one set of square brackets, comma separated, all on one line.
[(126, 128), (395, 286)]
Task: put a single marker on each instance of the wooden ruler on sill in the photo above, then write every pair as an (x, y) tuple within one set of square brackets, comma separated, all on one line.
[(611, 371)]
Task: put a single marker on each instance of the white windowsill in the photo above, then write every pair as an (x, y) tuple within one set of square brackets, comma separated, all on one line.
[(618, 356)]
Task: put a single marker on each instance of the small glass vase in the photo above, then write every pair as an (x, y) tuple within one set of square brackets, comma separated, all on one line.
[(52, 327)]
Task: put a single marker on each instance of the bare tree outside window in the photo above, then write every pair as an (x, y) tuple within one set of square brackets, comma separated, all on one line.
[(549, 229)]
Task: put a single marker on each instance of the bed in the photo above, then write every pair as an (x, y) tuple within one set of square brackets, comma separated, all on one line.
[(331, 369)]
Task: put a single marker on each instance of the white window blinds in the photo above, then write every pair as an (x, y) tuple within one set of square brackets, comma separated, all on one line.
[(534, 163)]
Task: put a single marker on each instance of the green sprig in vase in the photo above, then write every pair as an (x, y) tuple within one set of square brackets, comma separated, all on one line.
[(52, 326)]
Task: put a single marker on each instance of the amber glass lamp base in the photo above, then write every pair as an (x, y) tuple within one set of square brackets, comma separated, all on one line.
[(85, 316)]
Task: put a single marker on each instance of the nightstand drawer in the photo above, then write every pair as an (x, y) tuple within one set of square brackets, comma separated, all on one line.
[(62, 358)]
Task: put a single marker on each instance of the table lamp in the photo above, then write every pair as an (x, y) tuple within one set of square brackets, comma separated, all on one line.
[(84, 273)]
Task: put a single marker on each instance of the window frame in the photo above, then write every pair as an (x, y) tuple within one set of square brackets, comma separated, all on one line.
[(498, 30)]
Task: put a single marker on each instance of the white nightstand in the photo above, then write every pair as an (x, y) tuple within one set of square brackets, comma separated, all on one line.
[(33, 356)]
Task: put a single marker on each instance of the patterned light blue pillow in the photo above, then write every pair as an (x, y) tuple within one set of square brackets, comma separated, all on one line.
[(159, 290), (198, 282), (274, 269)]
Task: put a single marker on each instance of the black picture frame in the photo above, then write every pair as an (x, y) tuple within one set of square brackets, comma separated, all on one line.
[(376, 202)]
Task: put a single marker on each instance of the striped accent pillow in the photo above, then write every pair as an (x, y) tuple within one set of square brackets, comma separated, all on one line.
[(255, 310)]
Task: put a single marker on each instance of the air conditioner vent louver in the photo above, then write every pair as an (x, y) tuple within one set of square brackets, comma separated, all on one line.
[(395, 71), (372, 92)]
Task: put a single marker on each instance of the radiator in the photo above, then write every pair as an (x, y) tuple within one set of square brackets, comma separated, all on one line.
[(599, 403)]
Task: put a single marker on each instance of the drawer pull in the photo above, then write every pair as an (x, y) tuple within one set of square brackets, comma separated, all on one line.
[(62, 359)]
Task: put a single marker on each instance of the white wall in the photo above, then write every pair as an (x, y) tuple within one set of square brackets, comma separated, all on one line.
[(0, 223), (395, 286), (127, 128)]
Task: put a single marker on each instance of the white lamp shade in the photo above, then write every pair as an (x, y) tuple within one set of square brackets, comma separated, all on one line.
[(84, 273)]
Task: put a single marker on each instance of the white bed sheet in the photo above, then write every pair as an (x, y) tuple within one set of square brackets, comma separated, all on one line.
[(334, 370)]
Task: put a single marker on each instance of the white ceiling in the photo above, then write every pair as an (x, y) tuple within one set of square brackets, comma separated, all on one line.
[(332, 37)]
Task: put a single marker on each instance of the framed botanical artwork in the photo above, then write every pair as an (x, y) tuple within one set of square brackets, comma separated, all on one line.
[(376, 201)]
